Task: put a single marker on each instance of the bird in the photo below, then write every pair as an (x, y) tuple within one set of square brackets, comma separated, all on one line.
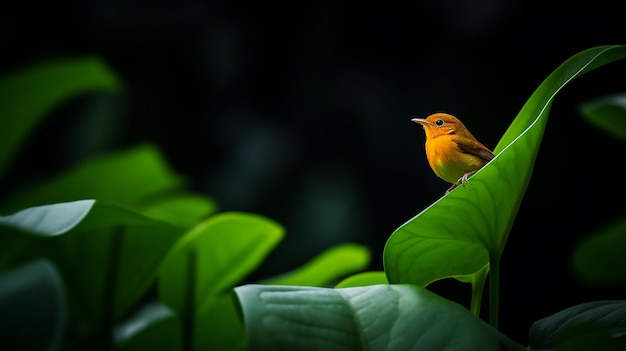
[(452, 151)]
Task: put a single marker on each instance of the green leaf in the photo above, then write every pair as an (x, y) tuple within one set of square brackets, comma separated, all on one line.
[(608, 114), (183, 209), (599, 259), (363, 279), (107, 254), (219, 325), (33, 307), (28, 95), (126, 177), (153, 327), (379, 317), (588, 320), (49, 220), (327, 267), (471, 224), (208, 261)]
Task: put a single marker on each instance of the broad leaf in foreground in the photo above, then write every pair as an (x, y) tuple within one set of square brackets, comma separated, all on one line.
[(378, 317)]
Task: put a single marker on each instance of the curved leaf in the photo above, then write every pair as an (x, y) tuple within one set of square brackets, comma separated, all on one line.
[(26, 96), (379, 317), (107, 254), (549, 332), (181, 209), (152, 327), (49, 220), (465, 230), (205, 263), (127, 177), (32, 301), (326, 267)]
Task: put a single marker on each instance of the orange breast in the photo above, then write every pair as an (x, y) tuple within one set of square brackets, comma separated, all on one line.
[(447, 161)]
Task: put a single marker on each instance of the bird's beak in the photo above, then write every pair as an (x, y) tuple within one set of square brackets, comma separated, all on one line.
[(421, 121)]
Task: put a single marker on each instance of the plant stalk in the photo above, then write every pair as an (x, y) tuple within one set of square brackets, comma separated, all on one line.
[(478, 286)]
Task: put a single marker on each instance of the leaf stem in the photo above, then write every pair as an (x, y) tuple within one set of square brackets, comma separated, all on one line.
[(478, 286)]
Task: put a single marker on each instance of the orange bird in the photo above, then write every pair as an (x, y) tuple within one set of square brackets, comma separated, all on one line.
[(452, 151)]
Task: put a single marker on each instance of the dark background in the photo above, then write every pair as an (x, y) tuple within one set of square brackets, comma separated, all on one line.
[(301, 112)]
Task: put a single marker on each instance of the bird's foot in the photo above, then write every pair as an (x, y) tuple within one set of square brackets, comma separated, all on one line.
[(462, 181), (450, 188), (465, 178)]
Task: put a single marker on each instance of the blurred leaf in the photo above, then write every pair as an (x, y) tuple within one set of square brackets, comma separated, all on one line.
[(154, 327), (379, 317), (28, 95), (33, 308), (219, 326), (49, 220), (125, 177), (327, 267), (587, 318), (108, 255), (363, 279), (599, 259), (471, 224), (608, 114), (182, 209), (208, 261)]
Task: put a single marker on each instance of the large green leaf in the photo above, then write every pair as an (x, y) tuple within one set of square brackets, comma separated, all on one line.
[(28, 95), (597, 325), (327, 267), (201, 268), (378, 317), (107, 254), (32, 301), (127, 177), (467, 229)]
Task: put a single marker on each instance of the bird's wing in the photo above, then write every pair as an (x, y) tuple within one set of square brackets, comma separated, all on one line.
[(475, 148)]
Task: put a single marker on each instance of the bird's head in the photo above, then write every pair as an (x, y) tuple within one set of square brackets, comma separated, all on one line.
[(439, 124)]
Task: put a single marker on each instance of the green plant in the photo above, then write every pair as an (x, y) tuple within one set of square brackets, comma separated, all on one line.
[(115, 253), (469, 225), (130, 267)]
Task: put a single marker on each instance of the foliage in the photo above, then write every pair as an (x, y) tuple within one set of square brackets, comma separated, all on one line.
[(117, 254), (95, 244)]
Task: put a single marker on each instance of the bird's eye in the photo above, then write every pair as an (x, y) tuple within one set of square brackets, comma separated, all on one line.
[(439, 122)]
